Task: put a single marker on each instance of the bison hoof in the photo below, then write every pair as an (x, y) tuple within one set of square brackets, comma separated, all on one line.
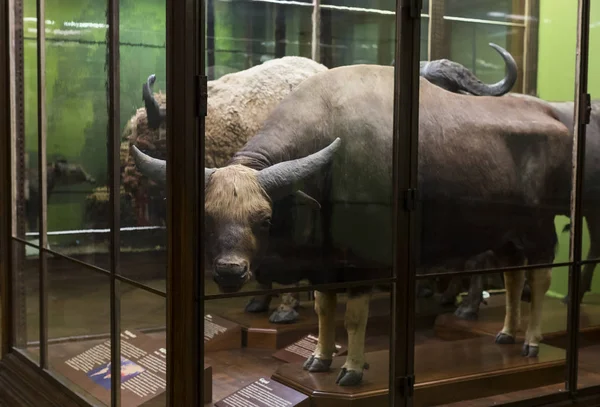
[(466, 313), (531, 351), (314, 364), (255, 305), (283, 316), (349, 377), (504, 339)]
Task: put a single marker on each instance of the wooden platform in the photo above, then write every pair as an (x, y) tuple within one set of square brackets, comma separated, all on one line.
[(444, 372), (554, 323), (259, 333)]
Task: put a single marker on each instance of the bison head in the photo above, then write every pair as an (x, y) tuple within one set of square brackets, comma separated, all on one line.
[(238, 209)]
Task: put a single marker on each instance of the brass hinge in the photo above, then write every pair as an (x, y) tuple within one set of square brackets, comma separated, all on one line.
[(406, 386), (410, 199), (201, 95)]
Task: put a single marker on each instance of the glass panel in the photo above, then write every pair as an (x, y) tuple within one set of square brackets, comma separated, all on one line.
[(333, 225), (459, 359), (76, 121), (143, 345), (143, 202), (589, 339), (27, 148), (26, 299), (79, 327), (493, 186)]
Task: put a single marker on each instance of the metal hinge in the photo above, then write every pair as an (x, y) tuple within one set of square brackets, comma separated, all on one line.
[(406, 385), (410, 199), (202, 95), (588, 108)]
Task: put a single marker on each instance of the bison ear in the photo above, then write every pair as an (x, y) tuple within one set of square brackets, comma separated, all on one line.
[(309, 200), (284, 178)]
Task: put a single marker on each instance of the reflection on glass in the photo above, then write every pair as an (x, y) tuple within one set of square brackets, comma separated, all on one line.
[(143, 215), (143, 347), (26, 299), (491, 10), (79, 327)]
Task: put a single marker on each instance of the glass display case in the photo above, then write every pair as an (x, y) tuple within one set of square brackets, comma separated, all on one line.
[(299, 203)]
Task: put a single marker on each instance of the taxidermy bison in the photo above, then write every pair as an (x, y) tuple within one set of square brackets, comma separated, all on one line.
[(239, 103), (310, 196)]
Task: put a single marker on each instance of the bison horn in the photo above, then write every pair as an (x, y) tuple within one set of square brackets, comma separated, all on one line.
[(282, 179), (154, 113), (156, 169), (153, 168), (455, 77)]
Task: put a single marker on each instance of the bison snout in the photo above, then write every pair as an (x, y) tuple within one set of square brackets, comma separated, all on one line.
[(230, 275)]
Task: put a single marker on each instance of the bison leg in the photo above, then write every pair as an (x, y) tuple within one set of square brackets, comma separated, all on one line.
[(513, 281), (260, 303), (469, 308), (355, 321), (539, 282), (448, 298), (286, 312), (325, 304)]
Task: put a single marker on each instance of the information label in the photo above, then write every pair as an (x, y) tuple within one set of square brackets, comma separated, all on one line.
[(143, 368), (265, 393)]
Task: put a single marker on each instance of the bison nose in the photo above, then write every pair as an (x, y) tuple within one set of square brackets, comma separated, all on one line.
[(224, 267), (230, 275)]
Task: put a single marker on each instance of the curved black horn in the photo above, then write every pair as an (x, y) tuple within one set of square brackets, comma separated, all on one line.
[(153, 168), (282, 179), (156, 169), (455, 77), (155, 114)]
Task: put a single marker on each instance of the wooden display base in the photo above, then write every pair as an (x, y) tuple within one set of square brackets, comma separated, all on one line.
[(259, 333), (444, 372), (491, 320), (221, 334)]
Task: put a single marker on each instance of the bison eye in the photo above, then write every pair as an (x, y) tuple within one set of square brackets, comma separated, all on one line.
[(266, 223)]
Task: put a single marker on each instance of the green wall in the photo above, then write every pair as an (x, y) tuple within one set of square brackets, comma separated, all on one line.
[(556, 82)]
